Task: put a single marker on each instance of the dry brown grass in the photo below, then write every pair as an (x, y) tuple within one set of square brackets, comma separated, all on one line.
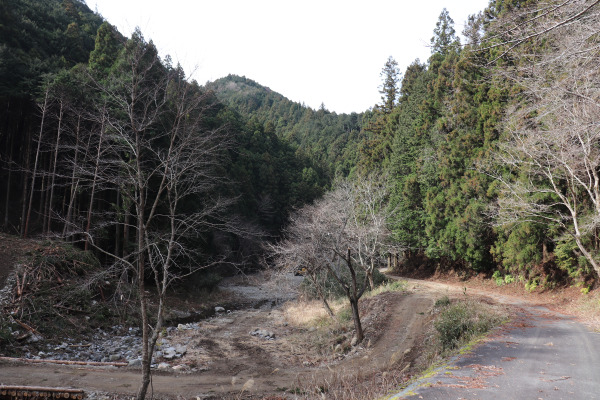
[(306, 313), (350, 386), (586, 308)]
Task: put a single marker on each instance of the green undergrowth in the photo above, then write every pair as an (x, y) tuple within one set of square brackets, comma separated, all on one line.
[(458, 326), (459, 321)]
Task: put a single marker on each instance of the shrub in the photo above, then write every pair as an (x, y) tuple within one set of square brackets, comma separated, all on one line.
[(442, 302), (498, 278), (532, 284), (460, 321), (345, 315)]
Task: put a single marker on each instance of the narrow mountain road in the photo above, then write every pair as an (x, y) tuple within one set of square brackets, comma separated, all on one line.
[(540, 354)]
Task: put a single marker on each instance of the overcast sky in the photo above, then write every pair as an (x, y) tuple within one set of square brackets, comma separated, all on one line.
[(311, 51)]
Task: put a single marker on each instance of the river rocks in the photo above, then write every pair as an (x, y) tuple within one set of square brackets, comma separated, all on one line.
[(263, 333), (186, 327), (117, 344), (219, 310), (135, 363), (181, 349), (170, 353), (34, 338), (163, 365)]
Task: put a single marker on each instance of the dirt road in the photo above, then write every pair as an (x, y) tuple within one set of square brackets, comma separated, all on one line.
[(539, 355), (223, 360)]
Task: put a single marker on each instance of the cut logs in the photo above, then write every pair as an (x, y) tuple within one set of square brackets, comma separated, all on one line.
[(39, 392), (65, 362)]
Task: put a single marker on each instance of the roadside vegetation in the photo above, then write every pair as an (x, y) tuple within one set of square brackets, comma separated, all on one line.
[(459, 321), (454, 323)]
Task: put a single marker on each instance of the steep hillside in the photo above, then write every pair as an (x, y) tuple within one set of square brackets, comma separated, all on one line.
[(38, 37), (326, 137)]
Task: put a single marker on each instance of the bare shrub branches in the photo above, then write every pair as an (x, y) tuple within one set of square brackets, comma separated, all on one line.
[(539, 21), (339, 235)]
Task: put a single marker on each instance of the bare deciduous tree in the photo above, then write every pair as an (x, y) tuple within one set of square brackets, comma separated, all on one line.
[(536, 21), (341, 234), (157, 151), (368, 226)]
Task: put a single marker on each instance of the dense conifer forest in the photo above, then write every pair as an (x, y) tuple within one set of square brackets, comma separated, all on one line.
[(488, 149)]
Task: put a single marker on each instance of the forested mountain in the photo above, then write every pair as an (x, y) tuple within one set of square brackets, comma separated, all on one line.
[(36, 39), (327, 138), (482, 163), (484, 157)]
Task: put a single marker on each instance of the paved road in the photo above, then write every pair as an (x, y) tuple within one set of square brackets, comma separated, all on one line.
[(540, 355)]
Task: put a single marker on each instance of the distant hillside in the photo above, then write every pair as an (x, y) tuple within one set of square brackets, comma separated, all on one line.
[(39, 37), (326, 137)]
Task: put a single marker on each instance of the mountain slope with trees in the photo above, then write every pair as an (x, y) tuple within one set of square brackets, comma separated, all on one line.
[(469, 185), (327, 138)]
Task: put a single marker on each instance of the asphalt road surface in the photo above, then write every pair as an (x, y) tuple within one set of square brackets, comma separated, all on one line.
[(539, 355)]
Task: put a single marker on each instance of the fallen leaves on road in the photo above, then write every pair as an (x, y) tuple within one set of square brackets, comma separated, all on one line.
[(476, 381)]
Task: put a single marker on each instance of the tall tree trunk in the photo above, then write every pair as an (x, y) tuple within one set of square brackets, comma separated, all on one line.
[(117, 225), (141, 233), (35, 164), (24, 182), (43, 198), (74, 182), (354, 294), (126, 220), (356, 317), (8, 182), (146, 356), (44, 205), (93, 190), (53, 176), (370, 272)]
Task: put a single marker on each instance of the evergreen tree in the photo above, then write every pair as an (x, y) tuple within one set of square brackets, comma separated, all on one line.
[(390, 75), (444, 35), (107, 47)]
